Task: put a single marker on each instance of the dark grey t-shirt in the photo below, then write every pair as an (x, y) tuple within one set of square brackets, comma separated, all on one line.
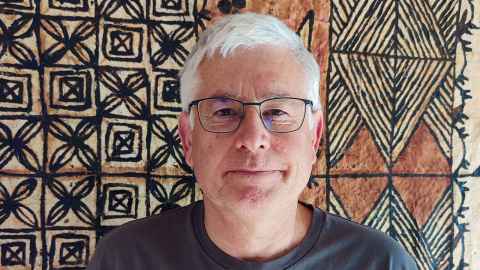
[(177, 240)]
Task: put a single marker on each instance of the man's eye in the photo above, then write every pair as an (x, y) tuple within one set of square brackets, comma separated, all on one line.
[(225, 112), (275, 112)]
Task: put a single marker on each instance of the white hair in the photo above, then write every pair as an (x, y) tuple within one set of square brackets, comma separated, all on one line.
[(247, 30)]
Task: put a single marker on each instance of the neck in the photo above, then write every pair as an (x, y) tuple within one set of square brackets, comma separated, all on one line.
[(258, 237)]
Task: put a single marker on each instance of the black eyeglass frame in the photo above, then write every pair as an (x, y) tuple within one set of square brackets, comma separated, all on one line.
[(259, 104)]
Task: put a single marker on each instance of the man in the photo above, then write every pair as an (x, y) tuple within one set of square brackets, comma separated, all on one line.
[(250, 129)]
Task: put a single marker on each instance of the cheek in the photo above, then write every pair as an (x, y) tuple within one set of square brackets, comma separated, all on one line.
[(207, 153), (300, 154), (281, 147), (297, 147), (198, 151)]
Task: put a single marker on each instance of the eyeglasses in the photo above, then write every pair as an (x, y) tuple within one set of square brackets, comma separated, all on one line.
[(224, 115)]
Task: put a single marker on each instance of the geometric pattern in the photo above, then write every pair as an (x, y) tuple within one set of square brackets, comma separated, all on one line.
[(391, 78), (382, 68), (17, 251), (428, 243), (69, 251), (14, 95), (89, 99), (389, 102), (70, 90)]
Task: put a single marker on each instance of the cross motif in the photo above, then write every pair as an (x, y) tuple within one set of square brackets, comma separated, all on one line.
[(11, 91), (71, 89), (171, 92), (13, 253), (123, 143), (122, 43), (120, 201), (71, 253)]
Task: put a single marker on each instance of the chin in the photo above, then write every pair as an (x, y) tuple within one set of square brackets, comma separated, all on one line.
[(251, 198)]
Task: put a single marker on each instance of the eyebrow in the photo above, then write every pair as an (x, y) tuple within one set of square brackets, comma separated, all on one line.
[(269, 94)]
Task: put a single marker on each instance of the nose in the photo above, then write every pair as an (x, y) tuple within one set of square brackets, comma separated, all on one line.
[(252, 135)]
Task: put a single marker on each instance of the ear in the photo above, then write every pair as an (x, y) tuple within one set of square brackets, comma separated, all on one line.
[(318, 125), (186, 136)]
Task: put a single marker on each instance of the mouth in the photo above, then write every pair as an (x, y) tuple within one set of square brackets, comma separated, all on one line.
[(252, 173)]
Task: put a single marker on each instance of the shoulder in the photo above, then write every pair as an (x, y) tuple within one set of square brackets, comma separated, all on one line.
[(360, 235), (354, 240), (131, 245), (164, 225), (347, 230), (142, 243)]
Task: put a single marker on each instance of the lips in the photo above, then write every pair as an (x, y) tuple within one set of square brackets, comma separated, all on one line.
[(250, 172)]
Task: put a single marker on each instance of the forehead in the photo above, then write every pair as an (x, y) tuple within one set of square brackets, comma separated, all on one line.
[(252, 73)]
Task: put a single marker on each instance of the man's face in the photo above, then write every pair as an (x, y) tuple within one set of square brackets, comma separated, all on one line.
[(251, 167)]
